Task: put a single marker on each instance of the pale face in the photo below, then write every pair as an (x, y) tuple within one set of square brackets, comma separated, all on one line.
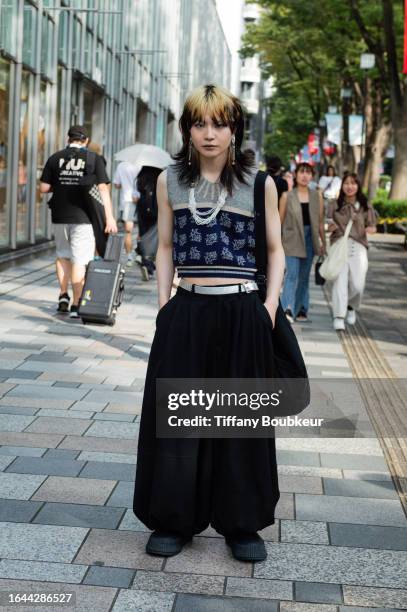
[(350, 187), (210, 138), (303, 177)]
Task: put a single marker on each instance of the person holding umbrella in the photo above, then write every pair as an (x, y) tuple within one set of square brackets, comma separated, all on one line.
[(124, 179)]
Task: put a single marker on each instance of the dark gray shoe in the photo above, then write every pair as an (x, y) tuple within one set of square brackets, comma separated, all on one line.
[(165, 544), (247, 547)]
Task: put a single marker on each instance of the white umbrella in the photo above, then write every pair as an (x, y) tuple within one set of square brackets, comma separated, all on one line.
[(145, 155)]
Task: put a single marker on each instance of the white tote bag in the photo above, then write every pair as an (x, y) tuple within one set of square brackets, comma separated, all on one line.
[(337, 256)]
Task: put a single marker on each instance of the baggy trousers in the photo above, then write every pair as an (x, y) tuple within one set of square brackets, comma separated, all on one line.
[(184, 485), (348, 287)]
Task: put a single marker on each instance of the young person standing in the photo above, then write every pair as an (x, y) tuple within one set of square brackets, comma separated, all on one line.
[(214, 326), (347, 290), (302, 219), (125, 179)]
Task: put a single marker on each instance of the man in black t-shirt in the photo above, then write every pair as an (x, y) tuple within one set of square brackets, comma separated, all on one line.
[(63, 175)]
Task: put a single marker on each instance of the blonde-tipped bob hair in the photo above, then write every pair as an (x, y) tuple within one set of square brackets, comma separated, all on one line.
[(221, 106)]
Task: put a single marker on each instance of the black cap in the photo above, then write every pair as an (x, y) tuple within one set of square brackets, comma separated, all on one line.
[(77, 132)]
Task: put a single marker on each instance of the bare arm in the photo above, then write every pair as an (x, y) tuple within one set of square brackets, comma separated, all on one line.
[(283, 207), (107, 203), (275, 251), (45, 187), (165, 224)]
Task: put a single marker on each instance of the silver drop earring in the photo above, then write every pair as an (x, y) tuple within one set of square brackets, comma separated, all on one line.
[(233, 150)]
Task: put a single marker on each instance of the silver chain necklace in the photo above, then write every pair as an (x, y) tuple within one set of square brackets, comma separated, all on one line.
[(206, 216)]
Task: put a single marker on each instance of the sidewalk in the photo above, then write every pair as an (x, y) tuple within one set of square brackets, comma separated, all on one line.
[(70, 400)]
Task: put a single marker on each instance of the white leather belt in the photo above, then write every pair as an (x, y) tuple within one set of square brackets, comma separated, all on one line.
[(245, 287)]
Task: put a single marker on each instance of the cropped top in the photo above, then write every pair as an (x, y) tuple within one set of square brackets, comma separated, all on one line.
[(225, 247)]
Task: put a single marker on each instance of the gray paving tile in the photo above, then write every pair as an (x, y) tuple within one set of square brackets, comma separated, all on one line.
[(40, 570), (42, 465), (74, 490), (108, 457), (110, 445), (178, 583), (5, 461), (109, 471), (314, 472), (207, 556), (109, 429), (113, 416), (309, 532), (19, 486), (355, 462), (109, 576), (59, 425), (51, 356), (48, 393), (144, 601), (199, 603), (56, 453), (257, 587), (368, 536), (117, 397), (14, 422), (355, 488), (291, 483), (66, 384), (40, 542), (287, 457), (26, 374), (79, 515), (122, 496), (285, 506), (131, 523), (367, 596), (341, 565), (87, 597), (117, 549), (298, 606), (35, 402), (18, 410), (18, 511), (89, 406), (318, 592), (366, 475), (359, 609), (30, 440), (337, 509), (22, 451)]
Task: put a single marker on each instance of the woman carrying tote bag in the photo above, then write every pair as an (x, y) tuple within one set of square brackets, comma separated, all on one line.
[(352, 218), (215, 326)]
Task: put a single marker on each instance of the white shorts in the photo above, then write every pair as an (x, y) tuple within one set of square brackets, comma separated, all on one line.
[(75, 241), (128, 211)]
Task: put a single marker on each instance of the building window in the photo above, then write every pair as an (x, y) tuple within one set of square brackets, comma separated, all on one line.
[(7, 25), (23, 158), (40, 202), (63, 37), (47, 46), (30, 34), (4, 125)]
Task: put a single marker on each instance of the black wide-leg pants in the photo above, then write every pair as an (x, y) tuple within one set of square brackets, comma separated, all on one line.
[(183, 485)]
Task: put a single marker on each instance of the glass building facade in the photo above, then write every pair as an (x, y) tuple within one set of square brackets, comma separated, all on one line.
[(120, 67)]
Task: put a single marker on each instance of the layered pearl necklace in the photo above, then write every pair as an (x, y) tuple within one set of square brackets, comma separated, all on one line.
[(204, 217)]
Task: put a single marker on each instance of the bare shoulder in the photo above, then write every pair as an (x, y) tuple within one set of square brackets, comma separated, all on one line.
[(162, 179)]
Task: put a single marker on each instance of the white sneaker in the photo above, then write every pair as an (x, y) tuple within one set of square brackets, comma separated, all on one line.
[(339, 324), (130, 260), (351, 317)]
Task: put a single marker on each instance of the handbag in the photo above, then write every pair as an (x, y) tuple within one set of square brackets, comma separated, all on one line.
[(319, 280), (337, 256), (148, 242), (288, 359)]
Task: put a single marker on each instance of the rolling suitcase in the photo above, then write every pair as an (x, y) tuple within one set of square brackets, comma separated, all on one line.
[(104, 285)]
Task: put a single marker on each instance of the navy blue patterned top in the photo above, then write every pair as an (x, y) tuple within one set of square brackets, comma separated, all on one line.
[(225, 247)]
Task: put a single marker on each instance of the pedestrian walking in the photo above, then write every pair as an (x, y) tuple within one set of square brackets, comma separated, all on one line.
[(124, 179), (64, 175), (147, 212), (274, 167), (288, 176), (329, 184), (303, 235), (214, 326), (348, 287)]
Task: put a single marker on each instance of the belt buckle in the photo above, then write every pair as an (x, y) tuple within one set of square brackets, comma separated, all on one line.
[(247, 287)]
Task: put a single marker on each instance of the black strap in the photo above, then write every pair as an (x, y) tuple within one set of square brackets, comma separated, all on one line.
[(260, 226)]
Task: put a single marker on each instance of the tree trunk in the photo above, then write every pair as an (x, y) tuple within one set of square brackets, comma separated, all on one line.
[(399, 177), (378, 149)]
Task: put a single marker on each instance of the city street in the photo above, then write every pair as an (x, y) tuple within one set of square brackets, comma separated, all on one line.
[(69, 410)]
